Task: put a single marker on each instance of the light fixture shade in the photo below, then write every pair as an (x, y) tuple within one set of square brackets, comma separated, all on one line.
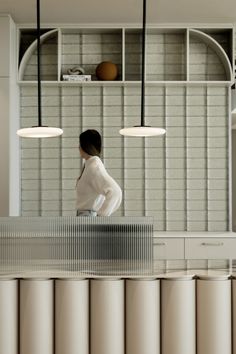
[(39, 132), (142, 131)]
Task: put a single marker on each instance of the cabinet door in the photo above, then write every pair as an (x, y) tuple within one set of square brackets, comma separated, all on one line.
[(168, 248), (210, 248)]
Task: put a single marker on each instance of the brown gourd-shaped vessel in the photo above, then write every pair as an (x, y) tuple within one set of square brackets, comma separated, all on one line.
[(107, 71)]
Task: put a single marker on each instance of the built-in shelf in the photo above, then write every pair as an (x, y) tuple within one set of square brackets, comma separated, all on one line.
[(174, 55)]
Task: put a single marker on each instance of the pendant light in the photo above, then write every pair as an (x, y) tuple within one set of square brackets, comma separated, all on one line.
[(39, 131), (142, 129)]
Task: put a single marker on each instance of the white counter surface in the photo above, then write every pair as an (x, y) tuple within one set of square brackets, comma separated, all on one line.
[(186, 234)]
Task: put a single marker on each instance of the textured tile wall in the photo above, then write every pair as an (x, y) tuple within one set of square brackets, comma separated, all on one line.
[(180, 179)]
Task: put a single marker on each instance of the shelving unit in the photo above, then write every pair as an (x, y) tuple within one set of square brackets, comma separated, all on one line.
[(172, 54)]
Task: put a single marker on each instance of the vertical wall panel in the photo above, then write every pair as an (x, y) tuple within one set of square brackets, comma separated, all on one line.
[(111, 122), (234, 315), (8, 317), (134, 183), (4, 144), (214, 316), (175, 159), (178, 316), (155, 171), (107, 317), (72, 316), (36, 316), (196, 158), (71, 113), (143, 316), (217, 154)]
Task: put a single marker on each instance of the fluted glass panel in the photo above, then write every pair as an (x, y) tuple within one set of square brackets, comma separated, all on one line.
[(102, 245)]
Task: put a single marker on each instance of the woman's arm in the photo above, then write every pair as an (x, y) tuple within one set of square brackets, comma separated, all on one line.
[(105, 185)]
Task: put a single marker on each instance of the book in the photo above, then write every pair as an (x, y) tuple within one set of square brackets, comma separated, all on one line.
[(76, 77)]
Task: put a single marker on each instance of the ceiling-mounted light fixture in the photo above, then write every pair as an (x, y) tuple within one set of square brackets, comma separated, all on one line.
[(39, 131), (142, 129)]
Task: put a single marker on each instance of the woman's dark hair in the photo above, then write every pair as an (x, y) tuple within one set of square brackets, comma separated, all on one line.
[(91, 142)]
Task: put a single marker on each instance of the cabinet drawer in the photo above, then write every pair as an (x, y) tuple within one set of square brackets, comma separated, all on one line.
[(210, 248), (168, 248)]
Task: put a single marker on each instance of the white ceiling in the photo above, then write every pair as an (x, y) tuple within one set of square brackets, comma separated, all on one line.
[(121, 11)]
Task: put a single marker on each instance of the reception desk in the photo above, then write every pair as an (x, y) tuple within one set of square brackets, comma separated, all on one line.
[(169, 314), (110, 302)]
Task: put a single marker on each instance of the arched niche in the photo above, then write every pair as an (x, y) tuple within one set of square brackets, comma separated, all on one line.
[(49, 59), (208, 61)]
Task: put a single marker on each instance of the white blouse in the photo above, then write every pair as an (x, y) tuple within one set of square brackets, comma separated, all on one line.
[(96, 189)]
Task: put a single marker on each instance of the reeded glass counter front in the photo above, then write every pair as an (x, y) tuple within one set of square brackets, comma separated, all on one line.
[(75, 246)]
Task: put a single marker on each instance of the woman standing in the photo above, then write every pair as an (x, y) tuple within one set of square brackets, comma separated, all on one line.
[(97, 192)]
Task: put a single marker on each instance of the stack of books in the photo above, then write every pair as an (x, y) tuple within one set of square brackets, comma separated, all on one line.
[(76, 77)]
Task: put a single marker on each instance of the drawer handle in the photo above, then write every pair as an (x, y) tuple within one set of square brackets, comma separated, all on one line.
[(160, 244), (212, 243)]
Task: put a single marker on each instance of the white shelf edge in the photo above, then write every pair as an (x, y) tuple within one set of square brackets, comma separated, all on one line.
[(134, 25), (125, 83)]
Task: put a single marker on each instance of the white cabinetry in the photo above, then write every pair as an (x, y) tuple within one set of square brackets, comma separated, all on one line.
[(4, 146), (168, 248), (195, 248), (210, 248), (5, 36)]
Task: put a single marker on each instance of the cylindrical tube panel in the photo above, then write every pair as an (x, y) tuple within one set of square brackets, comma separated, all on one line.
[(178, 316), (143, 316), (8, 317), (213, 316), (36, 317), (72, 317), (107, 316)]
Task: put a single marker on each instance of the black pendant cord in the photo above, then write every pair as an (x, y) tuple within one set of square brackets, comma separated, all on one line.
[(143, 66), (39, 64)]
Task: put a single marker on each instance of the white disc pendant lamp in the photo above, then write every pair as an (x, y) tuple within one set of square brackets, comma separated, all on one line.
[(39, 131), (143, 130)]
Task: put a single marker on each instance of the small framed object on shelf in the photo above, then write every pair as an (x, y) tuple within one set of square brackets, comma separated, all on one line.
[(76, 77)]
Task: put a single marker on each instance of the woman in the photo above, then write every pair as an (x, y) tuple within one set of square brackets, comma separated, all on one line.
[(97, 192)]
